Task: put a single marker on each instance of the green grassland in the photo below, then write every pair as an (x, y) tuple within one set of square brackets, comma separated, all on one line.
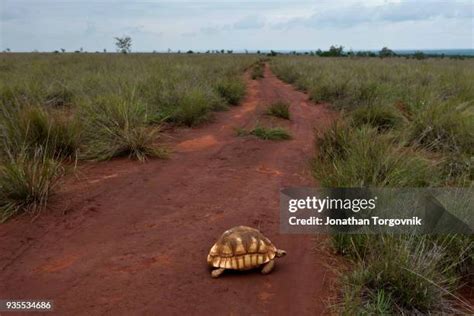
[(403, 123), (59, 108)]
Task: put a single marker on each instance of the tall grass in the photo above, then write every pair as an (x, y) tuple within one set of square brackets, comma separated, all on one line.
[(360, 157), (32, 126), (257, 71), (404, 124), (117, 126), (62, 107), (26, 182)]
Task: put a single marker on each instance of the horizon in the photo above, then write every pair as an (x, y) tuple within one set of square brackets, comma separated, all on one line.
[(454, 51), (48, 25)]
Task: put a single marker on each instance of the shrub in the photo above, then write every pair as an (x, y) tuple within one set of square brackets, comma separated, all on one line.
[(26, 182), (117, 126), (279, 109)]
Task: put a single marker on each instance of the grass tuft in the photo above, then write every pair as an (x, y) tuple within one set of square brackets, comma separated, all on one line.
[(34, 127), (360, 157), (279, 109), (258, 70), (378, 116), (443, 127), (398, 275), (266, 133), (232, 91), (117, 126), (26, 182)]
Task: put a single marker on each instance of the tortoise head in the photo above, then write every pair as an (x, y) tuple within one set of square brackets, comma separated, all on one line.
[(280, 253)]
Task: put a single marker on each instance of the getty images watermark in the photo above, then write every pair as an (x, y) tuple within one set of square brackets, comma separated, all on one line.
[(375, 210)]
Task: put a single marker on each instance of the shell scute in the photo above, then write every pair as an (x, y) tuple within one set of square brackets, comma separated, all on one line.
[(241, 248)]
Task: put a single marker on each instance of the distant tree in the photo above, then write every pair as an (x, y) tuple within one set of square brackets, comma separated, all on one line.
[(63, 50), (179, 51), (208, 51), (169, 50), (77, 51), (419, 55), (272, 53), (222, 51), (246, 51), (259, 52), (386, 52), (230, 51), (123, 44), (336, 50), (56, 52), (105, 50), (189, 52), (7, 50), (81, 49)]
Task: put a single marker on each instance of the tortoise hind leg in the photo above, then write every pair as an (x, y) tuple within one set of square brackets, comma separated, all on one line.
[(217, 272), (268, 267)]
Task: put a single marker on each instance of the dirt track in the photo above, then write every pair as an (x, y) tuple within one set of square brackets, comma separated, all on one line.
[(135, 236)]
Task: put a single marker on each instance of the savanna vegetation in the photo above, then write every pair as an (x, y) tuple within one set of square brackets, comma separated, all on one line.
[(56, 109), (403, 123), (265, 133), (280, 109)]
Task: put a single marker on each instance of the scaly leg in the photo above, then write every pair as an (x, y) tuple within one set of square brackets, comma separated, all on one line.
[(268, 267), (217, 272)]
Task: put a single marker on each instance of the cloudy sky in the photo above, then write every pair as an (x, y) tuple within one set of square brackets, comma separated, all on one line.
[(47, 25)]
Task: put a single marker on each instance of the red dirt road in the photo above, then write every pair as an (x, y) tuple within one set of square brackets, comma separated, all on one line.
[(130, 238)]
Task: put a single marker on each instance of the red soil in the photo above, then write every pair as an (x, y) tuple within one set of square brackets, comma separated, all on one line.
[(123, 237)]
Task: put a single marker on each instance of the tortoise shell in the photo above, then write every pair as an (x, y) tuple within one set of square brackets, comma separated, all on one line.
[(241, 248)]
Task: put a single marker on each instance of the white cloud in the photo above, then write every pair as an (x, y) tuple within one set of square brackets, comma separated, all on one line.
[(252, 24)]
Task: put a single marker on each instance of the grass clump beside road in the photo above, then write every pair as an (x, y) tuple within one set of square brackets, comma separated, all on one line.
[(115, 126), (400, 275), (279, 109), (232, 91), (265, 133), (404, 123), (360, 157), (26, 182), (258, 70)]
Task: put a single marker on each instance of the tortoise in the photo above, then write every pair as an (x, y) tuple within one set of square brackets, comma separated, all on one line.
[(243, 248)]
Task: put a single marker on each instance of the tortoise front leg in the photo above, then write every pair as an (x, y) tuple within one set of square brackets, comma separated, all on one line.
[(268, 267), (217, 272)]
